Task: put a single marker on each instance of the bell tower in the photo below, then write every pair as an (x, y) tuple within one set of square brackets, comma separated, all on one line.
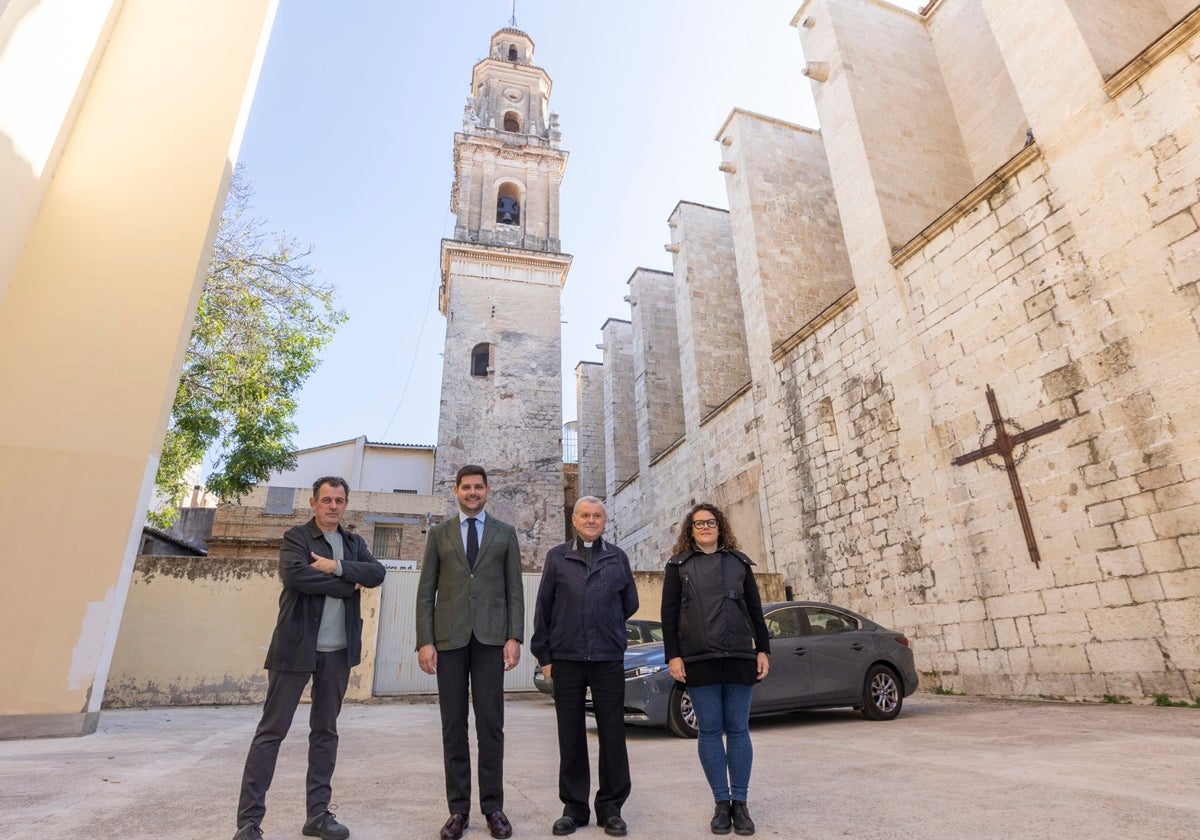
[(502, 278)]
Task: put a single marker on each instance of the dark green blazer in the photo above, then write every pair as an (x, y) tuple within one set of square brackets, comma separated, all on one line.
[(454, 601)]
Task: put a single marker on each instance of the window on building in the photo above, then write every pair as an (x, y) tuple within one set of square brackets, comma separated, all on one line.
[(386, 542), (512, 53), (481, 360), (512, 122), (570, 441), (508, 205)]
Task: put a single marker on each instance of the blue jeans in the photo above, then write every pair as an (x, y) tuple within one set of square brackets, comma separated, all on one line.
[(724, 708)]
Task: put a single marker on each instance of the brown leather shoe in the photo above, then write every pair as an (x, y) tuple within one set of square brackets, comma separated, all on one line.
[(454, 826), (499, 825)]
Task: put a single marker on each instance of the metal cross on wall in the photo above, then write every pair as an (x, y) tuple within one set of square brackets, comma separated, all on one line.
[(1004, 444)]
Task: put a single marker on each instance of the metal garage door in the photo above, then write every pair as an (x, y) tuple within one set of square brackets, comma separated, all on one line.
[(396, 670)]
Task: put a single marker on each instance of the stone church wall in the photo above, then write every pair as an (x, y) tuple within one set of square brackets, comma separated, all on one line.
[(1065, 274), (589, 408)]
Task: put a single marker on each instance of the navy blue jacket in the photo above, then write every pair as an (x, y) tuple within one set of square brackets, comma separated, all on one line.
[(580, 615), (302, 601)]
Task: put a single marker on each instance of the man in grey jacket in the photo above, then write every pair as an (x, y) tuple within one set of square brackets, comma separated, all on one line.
[(318, 636), (587, 593), (470, 618)]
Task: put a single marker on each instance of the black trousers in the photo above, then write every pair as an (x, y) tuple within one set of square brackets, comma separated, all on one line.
[(477, 669), (283, 695), (607, 682)]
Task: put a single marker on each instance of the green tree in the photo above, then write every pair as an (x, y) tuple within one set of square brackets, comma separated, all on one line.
[(260, 325)]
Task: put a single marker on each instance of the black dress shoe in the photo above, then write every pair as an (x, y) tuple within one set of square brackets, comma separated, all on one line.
[(454, 826), (248, 832), (614, 826), (499, 825), (326, 827), (566, 825)]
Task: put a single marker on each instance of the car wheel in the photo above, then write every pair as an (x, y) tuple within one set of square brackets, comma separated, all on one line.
[(681, 717), (882, 696)]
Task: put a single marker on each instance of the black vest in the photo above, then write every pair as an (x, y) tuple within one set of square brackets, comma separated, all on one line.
[(713, 619)]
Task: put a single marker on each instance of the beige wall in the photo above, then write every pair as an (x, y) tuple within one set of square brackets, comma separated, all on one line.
[(196, 631), (113, 231)]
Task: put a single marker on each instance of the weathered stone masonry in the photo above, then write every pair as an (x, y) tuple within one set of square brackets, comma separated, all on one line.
[(972, 213)]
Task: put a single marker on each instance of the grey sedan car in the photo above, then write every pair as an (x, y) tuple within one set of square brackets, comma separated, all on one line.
[(822, 657)]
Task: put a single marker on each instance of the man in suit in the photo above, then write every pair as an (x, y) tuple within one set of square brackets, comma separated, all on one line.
[(318, 636), (470, 619)]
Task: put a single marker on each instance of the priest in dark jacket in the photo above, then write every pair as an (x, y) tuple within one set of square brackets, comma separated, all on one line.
[(318, 636), (587, 593)]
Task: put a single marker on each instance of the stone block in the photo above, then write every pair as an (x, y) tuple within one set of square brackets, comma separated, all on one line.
[(1060, 659), (1114, 593), (1161, 477), (1133, 532), (1007, 606), (1123, 623), (1181, 584), (1121, 562), (975, 635), (1145, 589), (967, 663), (1106, 513), (1071, 598), (1130, 656), (1183, 649), (1183, 521), (1171, 683), (1068, 628), (1166, 555), (1006, 633)]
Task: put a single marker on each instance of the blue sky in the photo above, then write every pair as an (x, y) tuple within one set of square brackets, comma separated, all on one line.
[(349, 147)]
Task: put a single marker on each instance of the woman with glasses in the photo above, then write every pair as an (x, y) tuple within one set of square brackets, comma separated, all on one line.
[(716, 644)]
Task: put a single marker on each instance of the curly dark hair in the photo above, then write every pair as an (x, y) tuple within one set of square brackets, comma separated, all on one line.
[(725, 536)]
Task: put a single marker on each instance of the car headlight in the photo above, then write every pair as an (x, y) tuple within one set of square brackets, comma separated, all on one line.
[(643, 671)]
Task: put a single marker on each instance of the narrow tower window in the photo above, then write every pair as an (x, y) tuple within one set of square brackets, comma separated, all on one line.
[(481, 360), (512, 53), (512, 122), (508, 205)]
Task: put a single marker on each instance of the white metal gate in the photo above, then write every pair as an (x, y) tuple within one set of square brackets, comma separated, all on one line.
[(396, 669)]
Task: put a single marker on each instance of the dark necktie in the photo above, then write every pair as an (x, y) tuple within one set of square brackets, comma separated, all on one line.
[(472, 542)]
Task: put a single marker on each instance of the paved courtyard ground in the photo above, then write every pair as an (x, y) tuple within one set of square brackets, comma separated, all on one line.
[(948, 767)]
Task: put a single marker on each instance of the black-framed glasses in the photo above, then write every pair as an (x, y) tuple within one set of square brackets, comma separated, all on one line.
[(704, 524)]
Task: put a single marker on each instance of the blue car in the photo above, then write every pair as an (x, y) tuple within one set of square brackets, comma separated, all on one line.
[(822, 657), (637, 631)]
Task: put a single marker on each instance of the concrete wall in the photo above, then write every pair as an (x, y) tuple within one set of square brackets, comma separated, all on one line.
[(123, 161), (196, 631)]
